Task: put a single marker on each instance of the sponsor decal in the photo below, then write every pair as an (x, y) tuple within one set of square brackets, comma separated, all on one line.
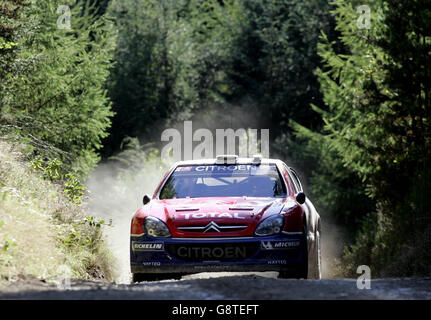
[(228, 215), (147, 246), (266, 245), (224, 168), (252, 168), (151, 263), (274, 245), (212, 253), (277, 261)]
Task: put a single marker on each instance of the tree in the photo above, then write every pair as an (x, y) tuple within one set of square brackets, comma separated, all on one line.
[(11, 31), (170, 62), (378, 105), (58, 102), (275, 59)]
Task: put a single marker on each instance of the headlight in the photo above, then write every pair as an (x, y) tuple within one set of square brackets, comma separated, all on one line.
[(153, 227), (270, 226)]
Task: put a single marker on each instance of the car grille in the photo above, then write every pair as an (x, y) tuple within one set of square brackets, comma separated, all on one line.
[(212, 227), (212, 251)]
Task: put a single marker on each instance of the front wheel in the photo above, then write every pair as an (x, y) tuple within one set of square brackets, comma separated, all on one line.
[(318, 257), (301, 272)]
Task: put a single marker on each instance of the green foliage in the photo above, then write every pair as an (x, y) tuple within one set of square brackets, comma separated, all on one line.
[(57, 101), (41, 229), (84, 233), (177, 57), (11, 31), (93, 222), (136, 163), (73, 188), (169, 61), (313, 155), (6, 243), (275, 56), (348, 107), (7, 45), (52, 171), (377, 122)]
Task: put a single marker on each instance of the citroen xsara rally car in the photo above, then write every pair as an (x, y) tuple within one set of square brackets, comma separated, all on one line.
[(226, 214)]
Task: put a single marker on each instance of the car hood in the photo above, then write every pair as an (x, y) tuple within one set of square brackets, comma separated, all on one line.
[(214, 217)]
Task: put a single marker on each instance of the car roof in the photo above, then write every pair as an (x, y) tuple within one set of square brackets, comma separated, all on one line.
[(214, 162)]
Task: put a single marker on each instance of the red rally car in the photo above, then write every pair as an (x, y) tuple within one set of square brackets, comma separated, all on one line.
[(226, 214)]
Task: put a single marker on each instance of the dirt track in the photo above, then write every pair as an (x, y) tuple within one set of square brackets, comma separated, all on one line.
[(206, 286)]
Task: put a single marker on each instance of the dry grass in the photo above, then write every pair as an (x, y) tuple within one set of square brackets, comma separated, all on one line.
[(41, 230), (31, 242)]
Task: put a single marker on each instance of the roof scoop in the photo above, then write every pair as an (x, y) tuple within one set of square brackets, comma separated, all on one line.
[(257, 159), (226, 159)]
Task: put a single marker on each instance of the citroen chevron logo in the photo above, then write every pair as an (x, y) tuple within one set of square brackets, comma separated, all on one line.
[(212, 226)]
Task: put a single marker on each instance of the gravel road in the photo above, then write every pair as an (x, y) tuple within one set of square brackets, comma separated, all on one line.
[(208, 286)]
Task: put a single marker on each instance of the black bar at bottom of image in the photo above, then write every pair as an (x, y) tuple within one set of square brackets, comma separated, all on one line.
[(215, 309)]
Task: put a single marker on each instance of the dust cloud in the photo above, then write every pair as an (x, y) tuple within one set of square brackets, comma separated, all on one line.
[(116, 195), (116, 187), (333, 241)]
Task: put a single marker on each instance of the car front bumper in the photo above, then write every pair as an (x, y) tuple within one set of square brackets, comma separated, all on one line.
[(191, 255)]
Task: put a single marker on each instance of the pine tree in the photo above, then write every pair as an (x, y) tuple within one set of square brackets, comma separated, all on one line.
[(58, 103), (171, 60), (377, 123), (14, 23), (276, 56)]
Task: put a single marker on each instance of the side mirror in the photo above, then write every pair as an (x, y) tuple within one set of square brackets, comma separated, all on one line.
[(146, 199), (300, 197)]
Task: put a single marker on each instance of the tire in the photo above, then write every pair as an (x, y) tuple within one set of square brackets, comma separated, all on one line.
[(319, 257), (141, 277), (300, 272), (316, 267)]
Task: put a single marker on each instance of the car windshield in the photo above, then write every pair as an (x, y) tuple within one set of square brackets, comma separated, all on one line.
[(224, 181)]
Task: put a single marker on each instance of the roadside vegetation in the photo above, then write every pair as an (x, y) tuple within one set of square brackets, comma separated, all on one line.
[(44, 230), (343, 86), (54, 111)]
